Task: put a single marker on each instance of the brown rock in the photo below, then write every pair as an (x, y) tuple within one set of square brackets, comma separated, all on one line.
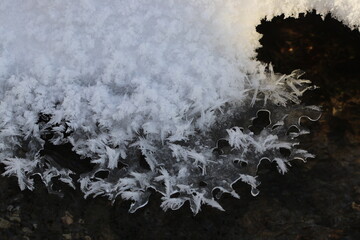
[(355, 206), (4, 224), (67, 219), (67, 236)]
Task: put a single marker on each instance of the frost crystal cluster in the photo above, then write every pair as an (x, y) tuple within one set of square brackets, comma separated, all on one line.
[(148, 95)]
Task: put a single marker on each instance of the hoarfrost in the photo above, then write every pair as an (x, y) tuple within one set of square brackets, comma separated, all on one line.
[(158, 94)]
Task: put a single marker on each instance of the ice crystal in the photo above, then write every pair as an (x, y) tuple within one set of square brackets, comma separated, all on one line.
[(148, 95)]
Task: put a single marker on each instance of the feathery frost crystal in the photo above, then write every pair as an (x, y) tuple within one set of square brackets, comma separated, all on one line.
[(149, 95)]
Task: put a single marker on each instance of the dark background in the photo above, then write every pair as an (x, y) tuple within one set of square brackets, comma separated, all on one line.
[(316, 200)]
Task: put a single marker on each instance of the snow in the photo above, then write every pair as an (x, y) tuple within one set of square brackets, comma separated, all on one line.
[(119, 75)]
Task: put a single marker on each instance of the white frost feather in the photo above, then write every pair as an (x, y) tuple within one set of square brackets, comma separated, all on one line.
[(112, 71)]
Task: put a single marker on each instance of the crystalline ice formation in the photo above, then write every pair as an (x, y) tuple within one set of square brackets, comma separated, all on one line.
[(151, 94)]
